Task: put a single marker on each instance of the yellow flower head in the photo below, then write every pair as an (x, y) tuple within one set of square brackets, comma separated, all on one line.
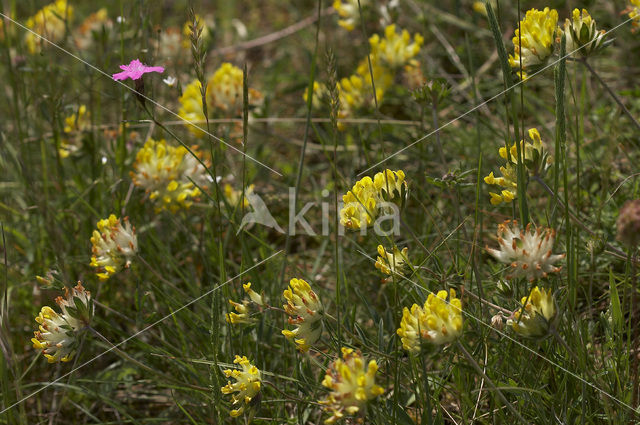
[(168, 174), (366, 199), (395, 50), (113, 246), (537, 31), (528, 252), (205, 34), (234, 196), (305, 310), (349, 13), (94, 23), (533, 319), (480, 7), (352, 383), (634, 13), (224, 91), (581, 33), (74, 125), (536, 160), (57, 334), (242, 312), (191, 107), (392, 262), (247, 385), (439, 322), (49, 22)]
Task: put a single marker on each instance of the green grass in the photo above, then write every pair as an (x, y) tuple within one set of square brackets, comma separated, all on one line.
[(158, 341)]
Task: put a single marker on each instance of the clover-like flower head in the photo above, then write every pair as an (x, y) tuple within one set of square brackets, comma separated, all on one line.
[(393, 262), (395, 50), (169, 175), (352, 384), (57, 334), (528, 251), (248, 381), (536, 314), (537, 35), (305, 310), (581, 33), (113, 246), (438, 322)]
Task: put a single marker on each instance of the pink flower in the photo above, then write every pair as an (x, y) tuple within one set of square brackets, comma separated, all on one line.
[(135, 70)]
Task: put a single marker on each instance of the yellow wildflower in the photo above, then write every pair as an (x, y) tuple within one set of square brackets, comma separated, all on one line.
[(537, 31), (581, 33), (633, 10), (224, 91), (349, 13), (57, 334), (234, 196), (395, 50), (247, 385), (203, 26), (366, 199), (536, 314), (74, 125), (439, 322), (528, 252), (48, 22), (168, 174), (191, 107), (536, 161), (392, 262), (305, 310), (480, 7), (113, 246), (352, 384), (242, 313)]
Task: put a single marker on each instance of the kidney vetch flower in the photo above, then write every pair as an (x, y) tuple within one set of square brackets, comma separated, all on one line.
[(305, 310), (536, 314), (352, 384), (537, 34), (113, 246), (57, 334), (528, 252), (438, 322), (247, 385)]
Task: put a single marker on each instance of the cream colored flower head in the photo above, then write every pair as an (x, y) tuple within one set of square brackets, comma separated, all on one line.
[(367, 198), (581, 33), (534, 318), (305, 310), (394, 262), (49, 22), (113, 246), (438, 322), (537, 35), (352, 384), (57, 334), (171, 176), (349, 12), (395, 50), (248, 381), (528, 253)]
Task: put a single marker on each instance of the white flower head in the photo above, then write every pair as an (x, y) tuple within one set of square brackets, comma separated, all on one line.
[(528, 252)]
